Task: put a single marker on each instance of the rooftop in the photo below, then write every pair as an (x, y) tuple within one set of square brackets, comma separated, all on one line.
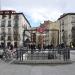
[(13, 12), (65, 14)]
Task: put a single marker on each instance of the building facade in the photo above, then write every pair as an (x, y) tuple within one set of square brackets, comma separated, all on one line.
[(67, 28), (51, 33), (12, 26)]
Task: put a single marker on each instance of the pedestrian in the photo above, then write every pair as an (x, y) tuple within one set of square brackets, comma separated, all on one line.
[(68, 53), (11, 47), (32, 48), (39, 47), (65, 56)]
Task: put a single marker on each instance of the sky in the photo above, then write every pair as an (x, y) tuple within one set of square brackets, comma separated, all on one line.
[(37, 11)]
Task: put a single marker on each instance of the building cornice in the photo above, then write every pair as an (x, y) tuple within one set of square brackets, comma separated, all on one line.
[(14, 13), (65, 14)]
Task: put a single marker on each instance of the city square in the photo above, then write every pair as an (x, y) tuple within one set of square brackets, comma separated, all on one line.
[(37, 37), (44, 69)]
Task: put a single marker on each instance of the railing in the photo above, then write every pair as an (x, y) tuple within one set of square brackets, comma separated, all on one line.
[(44, 54)]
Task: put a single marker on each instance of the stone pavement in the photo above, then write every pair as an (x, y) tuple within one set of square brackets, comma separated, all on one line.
[(15, 69), (12, 69)]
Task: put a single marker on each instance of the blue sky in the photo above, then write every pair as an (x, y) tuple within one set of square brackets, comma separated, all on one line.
[(37, 11)]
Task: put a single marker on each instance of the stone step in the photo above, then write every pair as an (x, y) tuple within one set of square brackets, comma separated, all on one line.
[(42, 62)]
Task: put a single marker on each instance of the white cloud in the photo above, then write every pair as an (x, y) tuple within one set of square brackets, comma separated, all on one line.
[(36, 16), (40, 10), (42, 14), (9, 8)]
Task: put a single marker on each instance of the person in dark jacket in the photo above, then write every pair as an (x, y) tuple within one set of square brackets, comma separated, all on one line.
[(11, 47), (32, 48)]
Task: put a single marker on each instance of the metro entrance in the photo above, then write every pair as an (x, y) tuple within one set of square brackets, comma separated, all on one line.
[(41, 47), (42, 38)]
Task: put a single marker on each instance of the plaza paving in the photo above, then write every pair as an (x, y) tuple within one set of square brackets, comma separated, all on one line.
[(13, 69)]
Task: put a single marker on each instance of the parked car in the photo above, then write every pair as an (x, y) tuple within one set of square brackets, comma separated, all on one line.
[(1, 52)]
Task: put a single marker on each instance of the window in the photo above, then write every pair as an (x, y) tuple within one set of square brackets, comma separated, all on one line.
[(62, 22), (2, 30), (2, 37), (16, 17), (70, 36), (73, 32), (9, 23), (3, 16), (9, 16), (16, 24), (73, 20), (15, 37), (9, 30), (15, 30), (9, 38), (3, 23)]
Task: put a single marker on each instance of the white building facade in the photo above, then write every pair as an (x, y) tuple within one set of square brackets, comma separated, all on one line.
[(67, 24), (13, 25)]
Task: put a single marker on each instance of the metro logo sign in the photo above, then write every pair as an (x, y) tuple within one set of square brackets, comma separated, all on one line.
[(41, 30)]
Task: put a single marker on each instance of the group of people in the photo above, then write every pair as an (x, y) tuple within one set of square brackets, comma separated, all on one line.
[(10, 51), (39, 46)]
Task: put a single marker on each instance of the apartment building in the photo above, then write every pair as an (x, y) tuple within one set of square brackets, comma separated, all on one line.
[(67, 28), (51, 33), (12, 26)]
